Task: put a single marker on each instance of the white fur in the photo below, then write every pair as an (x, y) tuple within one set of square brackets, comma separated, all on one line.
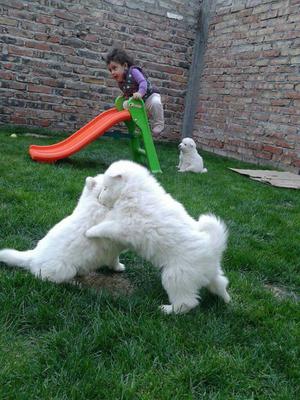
[(189, 158), (148, 220), (65, 250)]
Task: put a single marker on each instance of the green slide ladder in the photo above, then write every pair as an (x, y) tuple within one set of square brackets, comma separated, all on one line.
[(140, 136)]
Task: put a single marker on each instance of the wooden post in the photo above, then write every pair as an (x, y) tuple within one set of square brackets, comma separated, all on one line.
[(193, 87)]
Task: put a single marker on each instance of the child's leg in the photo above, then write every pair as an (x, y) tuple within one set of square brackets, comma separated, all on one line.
[(155, 109)]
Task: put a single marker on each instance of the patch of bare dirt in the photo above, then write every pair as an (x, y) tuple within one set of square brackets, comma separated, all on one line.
[(282, 293), (116, 283)]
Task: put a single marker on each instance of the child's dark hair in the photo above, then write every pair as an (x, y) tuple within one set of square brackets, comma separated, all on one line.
[(119, 56)]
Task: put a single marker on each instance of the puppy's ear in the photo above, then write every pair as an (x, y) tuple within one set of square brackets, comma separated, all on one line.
[(90, 182)]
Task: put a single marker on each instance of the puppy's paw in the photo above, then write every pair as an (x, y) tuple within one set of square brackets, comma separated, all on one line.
[(166, 309), (227, 298), (90, 233), (119, 267)]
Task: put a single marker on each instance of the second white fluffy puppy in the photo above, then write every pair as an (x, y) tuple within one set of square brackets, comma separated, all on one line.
[(65, 251), (148, 220), (189, 158)]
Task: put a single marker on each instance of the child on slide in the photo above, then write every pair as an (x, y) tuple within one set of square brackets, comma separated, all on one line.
[(134, 83)]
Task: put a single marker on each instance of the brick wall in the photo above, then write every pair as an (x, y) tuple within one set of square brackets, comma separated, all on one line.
[(52, 74), (249, 105)]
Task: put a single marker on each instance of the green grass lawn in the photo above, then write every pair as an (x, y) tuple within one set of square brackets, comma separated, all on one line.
[(67, 342)]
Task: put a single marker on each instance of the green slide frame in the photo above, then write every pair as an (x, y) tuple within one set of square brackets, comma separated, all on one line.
[(140, 136)]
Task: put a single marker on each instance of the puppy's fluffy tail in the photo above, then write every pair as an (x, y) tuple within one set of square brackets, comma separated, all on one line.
[(216, 229), (16, 258)]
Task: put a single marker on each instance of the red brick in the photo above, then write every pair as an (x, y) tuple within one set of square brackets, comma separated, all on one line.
[(18, 120), (272, 149), (292, 95), (282, 143), (266, 156), (39, 88)]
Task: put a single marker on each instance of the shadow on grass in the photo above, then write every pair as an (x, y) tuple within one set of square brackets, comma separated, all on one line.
[(81, 163)]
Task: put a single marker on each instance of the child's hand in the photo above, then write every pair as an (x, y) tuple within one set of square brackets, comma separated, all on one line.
[(137, 96)]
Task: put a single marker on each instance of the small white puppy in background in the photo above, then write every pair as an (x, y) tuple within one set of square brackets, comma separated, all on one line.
[(189, 158)]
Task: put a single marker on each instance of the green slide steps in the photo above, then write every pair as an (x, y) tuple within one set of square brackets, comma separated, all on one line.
[(140, 136)]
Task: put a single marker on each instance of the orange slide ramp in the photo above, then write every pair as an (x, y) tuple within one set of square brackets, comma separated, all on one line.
[(85, 135)]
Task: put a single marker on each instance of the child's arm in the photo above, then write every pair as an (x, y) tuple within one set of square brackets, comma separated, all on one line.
[(141, 81)]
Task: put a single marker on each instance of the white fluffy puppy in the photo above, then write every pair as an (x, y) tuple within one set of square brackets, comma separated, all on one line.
[(149, 221), (65, 251), (189, 158)]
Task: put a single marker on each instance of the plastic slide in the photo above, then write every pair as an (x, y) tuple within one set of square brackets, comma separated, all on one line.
[(89, 132)]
